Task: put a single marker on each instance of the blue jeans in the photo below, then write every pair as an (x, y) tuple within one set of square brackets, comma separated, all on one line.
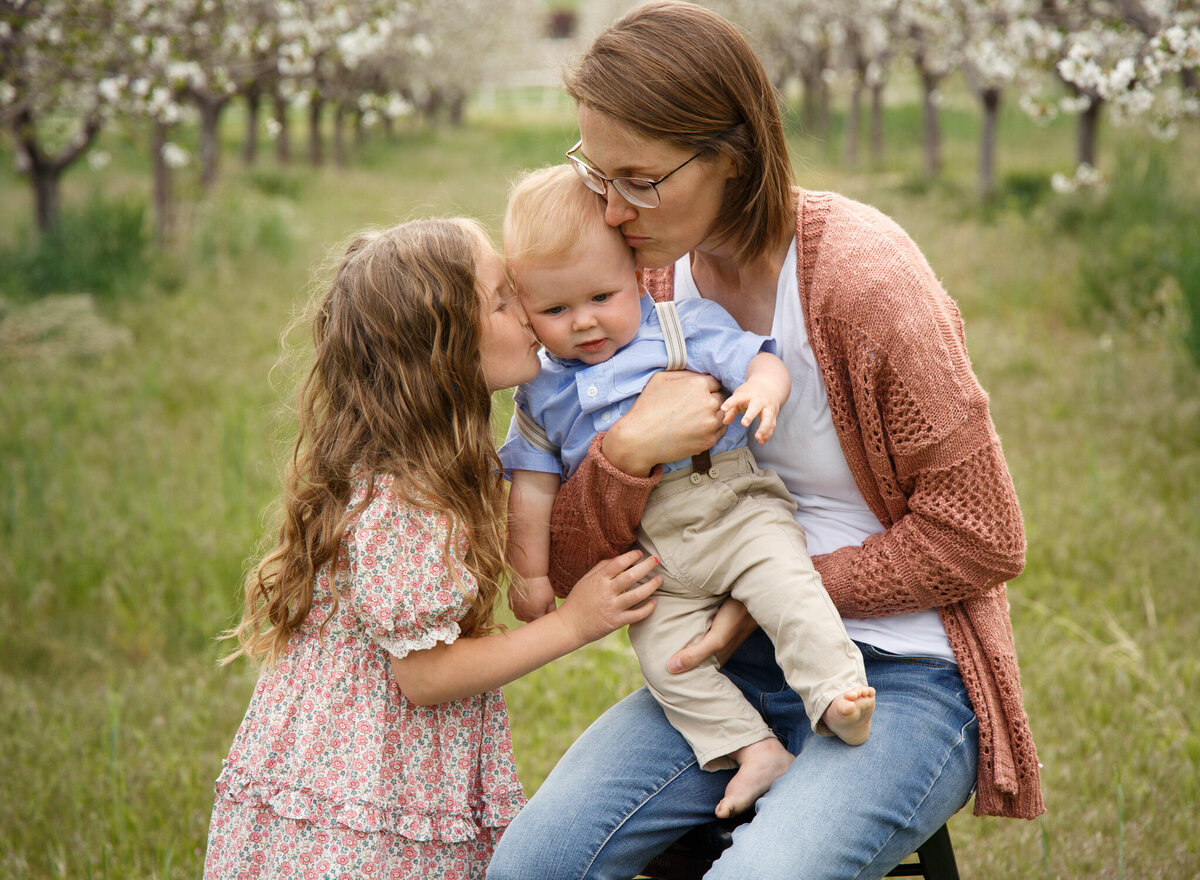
[(630, 785)]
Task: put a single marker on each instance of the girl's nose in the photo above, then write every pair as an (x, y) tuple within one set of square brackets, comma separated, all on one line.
[(585, 319)]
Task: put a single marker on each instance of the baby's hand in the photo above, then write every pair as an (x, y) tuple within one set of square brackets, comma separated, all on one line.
[(532, 599), (757, 402)]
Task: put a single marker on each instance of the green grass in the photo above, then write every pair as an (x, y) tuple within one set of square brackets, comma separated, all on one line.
[(134, 481)]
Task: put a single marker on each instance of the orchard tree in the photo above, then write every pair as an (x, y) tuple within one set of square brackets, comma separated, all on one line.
[(53, 55), (934, 31), (796, 39), (1000, 38), (1139, 58), (459, 44), (869, 28)]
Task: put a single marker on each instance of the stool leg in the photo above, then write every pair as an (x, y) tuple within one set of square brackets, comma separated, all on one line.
[(937, 856)]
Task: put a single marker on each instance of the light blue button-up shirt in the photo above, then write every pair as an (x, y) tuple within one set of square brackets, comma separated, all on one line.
[(573, 401)]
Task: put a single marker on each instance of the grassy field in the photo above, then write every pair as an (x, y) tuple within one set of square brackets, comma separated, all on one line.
[(138, 457)]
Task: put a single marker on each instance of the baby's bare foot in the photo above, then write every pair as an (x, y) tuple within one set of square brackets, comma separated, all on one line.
[(759, 764), (849, 716)]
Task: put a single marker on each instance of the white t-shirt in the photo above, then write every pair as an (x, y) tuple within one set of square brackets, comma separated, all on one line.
[(807, 455)]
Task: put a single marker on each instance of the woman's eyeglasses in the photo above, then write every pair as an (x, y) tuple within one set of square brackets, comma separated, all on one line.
[(638, 191)]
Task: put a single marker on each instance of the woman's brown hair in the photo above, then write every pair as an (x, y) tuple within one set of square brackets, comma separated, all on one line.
[(681, 73), (396, 387)]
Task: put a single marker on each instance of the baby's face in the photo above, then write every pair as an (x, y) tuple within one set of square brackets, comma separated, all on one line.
[(586, 307)]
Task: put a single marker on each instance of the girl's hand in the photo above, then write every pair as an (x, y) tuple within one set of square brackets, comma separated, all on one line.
[(609, 596), (678, 414), (729, 628), (532, 599)]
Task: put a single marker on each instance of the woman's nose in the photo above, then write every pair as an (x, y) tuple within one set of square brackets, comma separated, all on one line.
[(616, 209)]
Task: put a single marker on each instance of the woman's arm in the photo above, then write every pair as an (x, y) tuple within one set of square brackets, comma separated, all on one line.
[(606, 599), (598, 509), (961, 535)]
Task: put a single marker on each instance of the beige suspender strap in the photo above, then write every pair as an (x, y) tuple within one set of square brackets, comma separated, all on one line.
[(668, 317), (533, 432)]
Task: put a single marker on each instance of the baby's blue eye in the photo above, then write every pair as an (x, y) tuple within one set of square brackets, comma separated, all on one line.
[(554, 310), (601, 297)]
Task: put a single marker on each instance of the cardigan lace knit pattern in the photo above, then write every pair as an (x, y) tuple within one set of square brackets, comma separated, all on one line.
[(914, 426)]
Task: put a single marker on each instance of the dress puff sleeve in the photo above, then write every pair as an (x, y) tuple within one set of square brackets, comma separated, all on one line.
[(407, 594)]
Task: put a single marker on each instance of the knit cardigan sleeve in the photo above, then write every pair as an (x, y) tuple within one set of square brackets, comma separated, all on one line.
[(595, 516), (912, 418)]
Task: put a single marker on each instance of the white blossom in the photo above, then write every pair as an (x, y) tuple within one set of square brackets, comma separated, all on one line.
[(174, 155)]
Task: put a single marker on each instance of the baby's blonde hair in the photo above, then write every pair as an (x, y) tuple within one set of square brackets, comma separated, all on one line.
[(550, 214)]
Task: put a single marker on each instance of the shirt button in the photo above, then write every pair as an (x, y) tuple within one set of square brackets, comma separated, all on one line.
[(592, 391), (606, 416)]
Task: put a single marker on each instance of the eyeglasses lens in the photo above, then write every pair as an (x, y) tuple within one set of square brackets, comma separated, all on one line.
[(637, 192)]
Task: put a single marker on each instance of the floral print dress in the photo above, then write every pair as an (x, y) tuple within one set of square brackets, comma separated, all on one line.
[(333, 772)]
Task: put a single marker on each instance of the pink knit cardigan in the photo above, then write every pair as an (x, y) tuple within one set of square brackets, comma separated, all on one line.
[(914, 426)]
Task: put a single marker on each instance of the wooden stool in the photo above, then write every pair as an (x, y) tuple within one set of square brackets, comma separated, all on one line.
[(693, 854)]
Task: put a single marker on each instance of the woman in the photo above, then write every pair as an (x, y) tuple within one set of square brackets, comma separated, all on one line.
[(886, 443)]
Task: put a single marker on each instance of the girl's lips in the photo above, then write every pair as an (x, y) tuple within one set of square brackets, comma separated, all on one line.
[(593, 345)]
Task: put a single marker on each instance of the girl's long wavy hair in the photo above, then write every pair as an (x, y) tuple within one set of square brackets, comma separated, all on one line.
[(396, 387)]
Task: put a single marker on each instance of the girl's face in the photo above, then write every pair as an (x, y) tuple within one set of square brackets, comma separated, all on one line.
[(691, 198), (508, 347)]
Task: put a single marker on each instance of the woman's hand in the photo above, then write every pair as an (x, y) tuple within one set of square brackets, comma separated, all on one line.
[(678, 414), (729, 628), (609, 596)]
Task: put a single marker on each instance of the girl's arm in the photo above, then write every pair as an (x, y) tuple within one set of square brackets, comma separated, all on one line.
[(606, 599), (597, 510), (530, 502)]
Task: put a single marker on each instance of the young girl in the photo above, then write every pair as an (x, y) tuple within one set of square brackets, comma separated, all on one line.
[(376, 743)]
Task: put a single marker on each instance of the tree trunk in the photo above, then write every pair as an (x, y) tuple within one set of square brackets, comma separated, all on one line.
[(162, 185), (810, 107), (933, 128), (853, 119), (458, 109), (210, 148), (1089, 124), (253, 97), (46, 172), (339, 135), (283, 139), (315, 155), (987, 150), (877, 123), (47, 204)]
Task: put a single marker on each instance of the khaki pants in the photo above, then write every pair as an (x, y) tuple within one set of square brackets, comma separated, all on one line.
[(730, 532)]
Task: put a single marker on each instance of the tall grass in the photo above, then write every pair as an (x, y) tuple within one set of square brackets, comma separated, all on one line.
[(133, 485)]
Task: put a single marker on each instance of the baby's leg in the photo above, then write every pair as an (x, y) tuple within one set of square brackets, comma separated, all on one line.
[(777, 583), (722, 728)]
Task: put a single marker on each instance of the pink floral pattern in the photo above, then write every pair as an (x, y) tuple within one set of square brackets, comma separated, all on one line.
[(333, 772)]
